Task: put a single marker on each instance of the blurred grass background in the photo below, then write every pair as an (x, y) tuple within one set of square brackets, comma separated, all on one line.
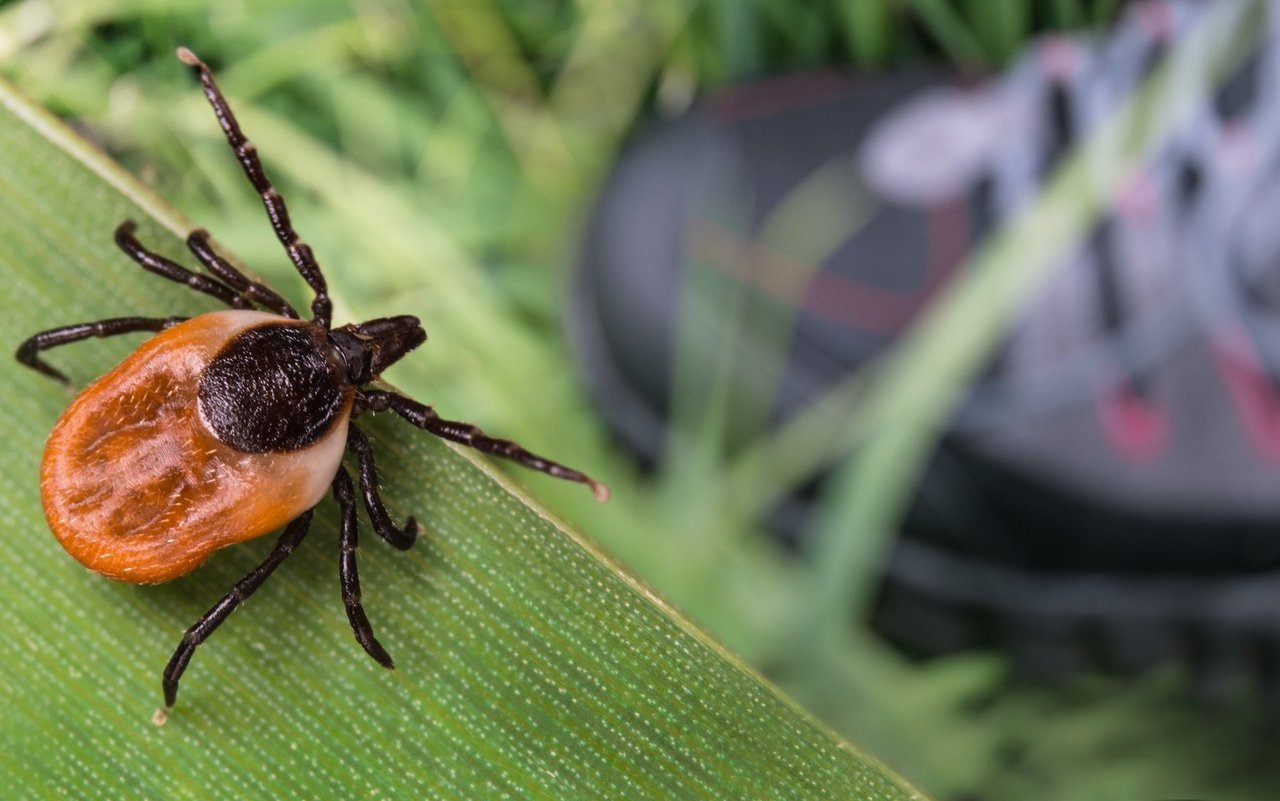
[(441, 156)]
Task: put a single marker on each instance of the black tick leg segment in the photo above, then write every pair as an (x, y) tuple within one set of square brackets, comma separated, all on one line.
[(198, 243), (28, 351), (299, 252), (401, 538), (209, 621), (349, 576), (155, 263), (424, 417)]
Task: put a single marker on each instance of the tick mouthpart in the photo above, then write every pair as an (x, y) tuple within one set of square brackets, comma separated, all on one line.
[(373, 346)]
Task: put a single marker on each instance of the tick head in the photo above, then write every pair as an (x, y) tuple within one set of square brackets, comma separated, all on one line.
[(373, 346)]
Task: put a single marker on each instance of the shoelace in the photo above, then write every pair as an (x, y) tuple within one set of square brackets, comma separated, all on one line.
[(1189, 248)]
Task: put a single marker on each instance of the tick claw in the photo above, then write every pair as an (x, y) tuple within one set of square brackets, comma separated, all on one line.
[(601, 491)]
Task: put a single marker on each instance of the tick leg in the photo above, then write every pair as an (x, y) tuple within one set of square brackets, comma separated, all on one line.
[(299, 252), (209, 622), (403, 539), (29, 351), (349, 576), (154, 262), (425, 417), (199, 244)]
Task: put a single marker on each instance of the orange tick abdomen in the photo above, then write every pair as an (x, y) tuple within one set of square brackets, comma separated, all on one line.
[(137, 487)]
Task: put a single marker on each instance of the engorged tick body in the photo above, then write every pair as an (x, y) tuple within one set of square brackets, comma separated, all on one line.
[(192, 444), (229, 425)]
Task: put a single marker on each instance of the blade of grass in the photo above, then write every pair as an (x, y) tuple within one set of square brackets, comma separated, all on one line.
[(1067, 13), (1002, 25), (868, 26), (951, 30), (603, 80), (478, 34), (1104, 11), (531, 666)]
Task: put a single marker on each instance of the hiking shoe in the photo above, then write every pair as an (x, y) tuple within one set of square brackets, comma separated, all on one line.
[(1109, 493)]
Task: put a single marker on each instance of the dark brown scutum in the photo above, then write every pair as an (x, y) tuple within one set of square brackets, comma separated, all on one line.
[(274, 389)]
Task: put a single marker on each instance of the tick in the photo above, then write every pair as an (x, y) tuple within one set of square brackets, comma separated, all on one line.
[(228, 425)]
